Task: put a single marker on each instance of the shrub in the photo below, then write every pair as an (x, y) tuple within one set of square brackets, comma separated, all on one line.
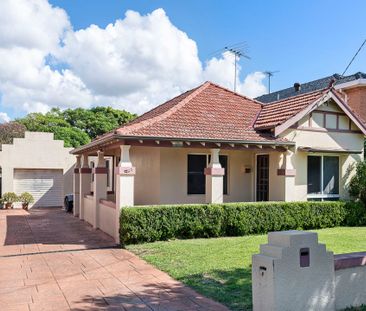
[(357, 186), (157, 223), (9, 197), (26, 198)]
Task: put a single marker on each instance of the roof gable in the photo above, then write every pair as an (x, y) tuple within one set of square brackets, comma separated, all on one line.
[(283, 114), (278, 112)]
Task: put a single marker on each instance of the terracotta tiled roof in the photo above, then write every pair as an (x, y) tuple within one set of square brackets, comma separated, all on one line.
[(208, 112), (276, 113)]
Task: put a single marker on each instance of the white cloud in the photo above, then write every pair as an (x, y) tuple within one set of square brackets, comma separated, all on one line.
[(4, 117), (135, 63)]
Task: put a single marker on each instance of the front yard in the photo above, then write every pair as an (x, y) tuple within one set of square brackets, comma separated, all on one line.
[(220, 268)]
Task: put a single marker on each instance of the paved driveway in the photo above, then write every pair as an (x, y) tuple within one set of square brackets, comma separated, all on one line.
[(49, 260)]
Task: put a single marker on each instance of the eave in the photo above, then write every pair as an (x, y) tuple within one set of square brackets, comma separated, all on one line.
[(118, 139)]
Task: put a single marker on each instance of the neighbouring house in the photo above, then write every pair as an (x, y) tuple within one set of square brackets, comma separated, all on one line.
[(212, 145), (40, 165), (352, 87)]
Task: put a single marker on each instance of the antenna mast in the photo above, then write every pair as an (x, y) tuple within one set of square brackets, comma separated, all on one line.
[(237, 54), (270, 74)]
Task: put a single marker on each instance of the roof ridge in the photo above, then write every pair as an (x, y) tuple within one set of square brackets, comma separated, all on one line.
[(294, 97), (235, 93), (170, 111)]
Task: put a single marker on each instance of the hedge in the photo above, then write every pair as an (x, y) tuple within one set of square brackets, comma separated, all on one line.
[(164, 222)]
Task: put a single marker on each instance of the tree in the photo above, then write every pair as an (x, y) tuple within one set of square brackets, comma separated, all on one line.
[(77, 126), (11, 130), (357, 186), (98, 120), (53, 122)]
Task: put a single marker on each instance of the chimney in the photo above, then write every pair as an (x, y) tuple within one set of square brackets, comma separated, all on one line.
[(297, 86)]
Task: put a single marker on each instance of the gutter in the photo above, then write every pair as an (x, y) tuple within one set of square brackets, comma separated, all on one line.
[(124, 137)]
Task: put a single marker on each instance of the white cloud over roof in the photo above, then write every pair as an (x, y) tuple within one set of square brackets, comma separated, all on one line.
[(134, 63)]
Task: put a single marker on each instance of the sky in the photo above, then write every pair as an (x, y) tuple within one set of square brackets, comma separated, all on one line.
[(137, 54)]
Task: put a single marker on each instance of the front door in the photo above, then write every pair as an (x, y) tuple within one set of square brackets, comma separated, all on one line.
[(262, 177)]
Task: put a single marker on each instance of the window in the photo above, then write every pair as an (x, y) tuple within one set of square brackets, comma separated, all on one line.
[(196, 177), (323, 177), (107, 164)]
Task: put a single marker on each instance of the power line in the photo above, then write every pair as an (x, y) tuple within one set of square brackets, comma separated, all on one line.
[(354, 56)]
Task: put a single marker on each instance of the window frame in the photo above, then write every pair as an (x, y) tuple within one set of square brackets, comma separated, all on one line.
[(322, 195), (207, 163)]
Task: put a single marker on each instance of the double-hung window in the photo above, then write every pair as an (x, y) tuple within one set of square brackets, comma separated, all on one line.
[(323, 178), (196, 181)]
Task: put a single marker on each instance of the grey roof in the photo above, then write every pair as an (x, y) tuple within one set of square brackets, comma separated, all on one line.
[(310, 87)]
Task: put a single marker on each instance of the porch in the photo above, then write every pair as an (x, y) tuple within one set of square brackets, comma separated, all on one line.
[(146, 172)]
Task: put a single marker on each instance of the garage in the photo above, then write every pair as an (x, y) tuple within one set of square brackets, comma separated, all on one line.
[(46, 185)]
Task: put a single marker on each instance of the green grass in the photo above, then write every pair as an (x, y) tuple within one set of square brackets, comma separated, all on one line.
[(220, 268)]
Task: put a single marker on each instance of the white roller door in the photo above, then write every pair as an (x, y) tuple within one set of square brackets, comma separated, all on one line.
[(45, 185)]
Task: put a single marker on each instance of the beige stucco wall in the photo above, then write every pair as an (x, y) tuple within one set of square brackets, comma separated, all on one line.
[(107, 219), (161, 175), (325, 140), (36, 151), (173, 181)]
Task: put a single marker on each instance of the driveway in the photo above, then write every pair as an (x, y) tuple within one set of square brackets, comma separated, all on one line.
[(50, 260)]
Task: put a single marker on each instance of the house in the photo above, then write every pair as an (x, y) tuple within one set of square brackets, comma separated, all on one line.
[(40, 165), (212, 145), (352, 87)]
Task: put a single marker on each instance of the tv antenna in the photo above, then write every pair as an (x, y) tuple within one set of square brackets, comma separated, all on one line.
[(270, 74), (237, 51)]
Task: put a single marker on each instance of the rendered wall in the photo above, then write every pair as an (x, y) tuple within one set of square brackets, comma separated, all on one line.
[(173, 175), (330, 140), (89, 209), (294, 272), (36, 151), (107, 219)]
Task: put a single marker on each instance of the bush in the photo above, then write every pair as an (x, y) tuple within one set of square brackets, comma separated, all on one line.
[(357, 186), (9, 197), (157, 223), (26, 198)]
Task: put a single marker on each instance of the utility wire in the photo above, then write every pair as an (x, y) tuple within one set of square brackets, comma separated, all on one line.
[(353, 58)]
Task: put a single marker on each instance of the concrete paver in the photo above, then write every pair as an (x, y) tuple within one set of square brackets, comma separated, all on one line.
[(50, 260)]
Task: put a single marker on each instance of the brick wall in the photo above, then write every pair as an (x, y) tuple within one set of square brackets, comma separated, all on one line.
[(356, 98)]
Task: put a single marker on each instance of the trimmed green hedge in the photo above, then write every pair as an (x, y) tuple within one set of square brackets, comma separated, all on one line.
[(157, 223)]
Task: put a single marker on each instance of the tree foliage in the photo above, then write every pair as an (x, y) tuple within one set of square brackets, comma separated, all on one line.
[(79, 126), (357, 186), (98, 120), (11, 130)]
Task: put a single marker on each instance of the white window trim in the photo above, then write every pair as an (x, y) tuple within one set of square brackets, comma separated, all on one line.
[(325, 195)]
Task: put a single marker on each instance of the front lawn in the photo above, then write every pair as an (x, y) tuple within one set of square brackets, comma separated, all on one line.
[(220, 268)]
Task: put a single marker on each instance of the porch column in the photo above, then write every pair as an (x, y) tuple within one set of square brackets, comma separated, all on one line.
[(125, 178), (76, 186), (85, 180), (99, 186), (214, 179), (288, 172)]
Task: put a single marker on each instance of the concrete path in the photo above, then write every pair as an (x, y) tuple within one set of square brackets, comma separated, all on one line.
[(49, 260)]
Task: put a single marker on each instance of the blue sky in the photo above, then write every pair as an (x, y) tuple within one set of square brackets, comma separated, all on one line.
[(304, 40), (144, 58)]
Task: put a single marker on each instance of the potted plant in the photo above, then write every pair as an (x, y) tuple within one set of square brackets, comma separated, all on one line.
[(9, 198), (26, 198)]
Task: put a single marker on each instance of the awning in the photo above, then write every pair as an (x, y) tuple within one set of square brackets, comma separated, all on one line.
[(328, 150)]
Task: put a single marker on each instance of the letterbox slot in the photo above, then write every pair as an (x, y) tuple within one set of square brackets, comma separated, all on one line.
[(262, 268), (304, 257)]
